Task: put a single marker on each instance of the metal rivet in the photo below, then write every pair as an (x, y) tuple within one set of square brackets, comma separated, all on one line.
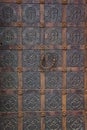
[(19, 69)]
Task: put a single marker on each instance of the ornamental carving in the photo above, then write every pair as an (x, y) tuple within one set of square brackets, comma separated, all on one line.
[(9, 35), (75, 80), (75, 13), (32, 123), (8, 13), (54, 123), (75, 122), (8, 58), (75, 102), (53, 13), (75, 58), (75, 36), (31, 36), (53, 80), (53, 36), (8, 80), (31, 80), (8, 103), (31, 14), (31, 101), (9, 122), (53, 101), (31, 59)]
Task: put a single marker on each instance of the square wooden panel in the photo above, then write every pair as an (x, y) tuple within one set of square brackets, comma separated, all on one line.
[(9, 35), (31, 100), (31, 80), (8, 80), (8, 58), (9, 102), (9, 122), (53, 121), (31, 121), (53, 100), (75, 121), (75, 80), (9, 14), (53, 36), (76, 13), (75, 58), (75, 100), (76, 36), (53, 80), (31, 14), (53, 14), (31, 59), (31, 36)]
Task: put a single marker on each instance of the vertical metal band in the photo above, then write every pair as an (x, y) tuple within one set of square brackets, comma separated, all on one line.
[(42, 73), (42, 24), (20, 91), (85, 81), (64, 69)]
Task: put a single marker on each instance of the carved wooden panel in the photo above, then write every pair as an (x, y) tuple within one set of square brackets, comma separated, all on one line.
[(43, 64)]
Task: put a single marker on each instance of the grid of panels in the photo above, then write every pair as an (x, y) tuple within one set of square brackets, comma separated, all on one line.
[(57, 30)]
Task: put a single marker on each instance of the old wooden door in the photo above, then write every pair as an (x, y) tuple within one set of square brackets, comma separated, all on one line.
[(43, 65)]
